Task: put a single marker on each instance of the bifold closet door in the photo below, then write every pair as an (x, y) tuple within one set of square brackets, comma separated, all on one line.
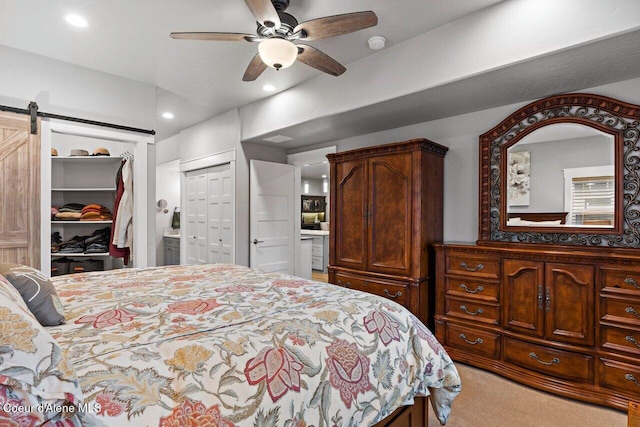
[(19, 190), (220, 213), (197, 217)]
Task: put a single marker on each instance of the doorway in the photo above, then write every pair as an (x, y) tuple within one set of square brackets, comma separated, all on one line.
[(315, 205)]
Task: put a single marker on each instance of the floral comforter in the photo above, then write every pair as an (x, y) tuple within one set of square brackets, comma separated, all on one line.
[(226, 345)]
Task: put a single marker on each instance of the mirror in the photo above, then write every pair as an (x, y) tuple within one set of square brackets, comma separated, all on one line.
[(563, 170), (561, 175)]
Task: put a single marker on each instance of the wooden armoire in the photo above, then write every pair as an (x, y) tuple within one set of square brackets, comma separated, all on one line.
[(386, 212)]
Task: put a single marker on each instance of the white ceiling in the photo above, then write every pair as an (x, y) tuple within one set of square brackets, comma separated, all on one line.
[(197, 79)]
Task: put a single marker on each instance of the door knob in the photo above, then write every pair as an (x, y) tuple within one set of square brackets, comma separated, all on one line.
[(256, 241)]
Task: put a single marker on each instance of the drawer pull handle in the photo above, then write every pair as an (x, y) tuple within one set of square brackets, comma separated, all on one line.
[(631, 378), (472, 291), (632, 340), (476, 268), (388, 294), (632, 310), (630, 281), (535, 357), (346, 285), (477, 341), (475, 313)]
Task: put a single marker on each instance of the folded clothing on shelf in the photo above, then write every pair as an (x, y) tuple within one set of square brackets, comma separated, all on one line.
[(80, 212), (56, 239), (71, 207), (68, 212), (68, 216), (95, 212), (98, 242)]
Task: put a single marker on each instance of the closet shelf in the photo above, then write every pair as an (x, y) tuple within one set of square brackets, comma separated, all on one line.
[(85, 189), (80, 254), (81, 222), (79, 159)]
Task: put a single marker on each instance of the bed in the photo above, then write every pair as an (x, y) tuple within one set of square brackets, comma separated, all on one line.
[(222, 345)]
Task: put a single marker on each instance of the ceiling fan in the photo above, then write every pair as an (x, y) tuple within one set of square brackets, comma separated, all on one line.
[(277, 31)]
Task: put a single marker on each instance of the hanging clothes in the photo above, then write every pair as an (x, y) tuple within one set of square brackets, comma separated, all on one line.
[(114, 250), (123, 237)]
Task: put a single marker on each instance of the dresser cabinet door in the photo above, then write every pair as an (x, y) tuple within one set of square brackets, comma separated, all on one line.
[(350, 214), (569, 303), (390, 214), (524, 296)]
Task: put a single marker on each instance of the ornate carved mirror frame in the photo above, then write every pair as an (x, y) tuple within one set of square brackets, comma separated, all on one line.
[(617, 118)]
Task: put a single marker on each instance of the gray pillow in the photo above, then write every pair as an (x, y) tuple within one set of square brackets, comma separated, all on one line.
[(37, 292)]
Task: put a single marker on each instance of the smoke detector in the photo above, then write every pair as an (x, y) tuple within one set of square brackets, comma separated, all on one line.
[(377, 42)]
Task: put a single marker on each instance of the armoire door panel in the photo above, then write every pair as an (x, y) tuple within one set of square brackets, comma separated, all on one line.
[(524, 304), (390, 215), (350, 214), (569, 292)]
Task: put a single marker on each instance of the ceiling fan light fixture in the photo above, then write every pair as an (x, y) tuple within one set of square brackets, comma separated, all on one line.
[(277, 52)]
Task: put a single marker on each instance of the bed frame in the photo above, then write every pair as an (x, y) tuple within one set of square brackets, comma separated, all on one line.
[(415, 415)]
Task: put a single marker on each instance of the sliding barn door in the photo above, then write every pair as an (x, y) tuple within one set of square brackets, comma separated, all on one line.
[(19, 190)]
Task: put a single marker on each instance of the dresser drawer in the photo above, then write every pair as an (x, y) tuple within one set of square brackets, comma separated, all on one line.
[(619, 376), (472, 310), (620, 339), (558, 363), (472, 265), (480, 342), (622, 311), (487, 291), (620, 280), (395, 291)]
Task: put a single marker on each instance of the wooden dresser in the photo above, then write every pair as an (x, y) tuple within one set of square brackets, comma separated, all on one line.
[(562, 319), (386, 212)]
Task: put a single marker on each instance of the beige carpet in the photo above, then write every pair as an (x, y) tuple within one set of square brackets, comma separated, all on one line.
[(488, 400)]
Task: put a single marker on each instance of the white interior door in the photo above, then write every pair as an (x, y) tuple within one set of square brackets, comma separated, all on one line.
[(197, 217), (272, 218), (220, 213)]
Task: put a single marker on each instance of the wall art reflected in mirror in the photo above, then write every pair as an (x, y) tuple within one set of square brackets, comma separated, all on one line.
[(564, 170)]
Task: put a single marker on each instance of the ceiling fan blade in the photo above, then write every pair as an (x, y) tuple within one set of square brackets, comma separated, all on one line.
[(319, 60), (331, 26), (255, 68), (265, 12), (221, 37)]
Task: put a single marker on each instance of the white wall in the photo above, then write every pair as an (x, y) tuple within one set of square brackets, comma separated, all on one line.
[(503, 35), (61, 88), (315, 187), (168, 149), (167, 188), (213, 136), (461, 135), (218, 135)]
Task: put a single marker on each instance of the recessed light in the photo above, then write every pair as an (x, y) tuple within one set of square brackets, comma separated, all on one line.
[(324, 176), (167, 115), (76, 21), (269, 88)]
